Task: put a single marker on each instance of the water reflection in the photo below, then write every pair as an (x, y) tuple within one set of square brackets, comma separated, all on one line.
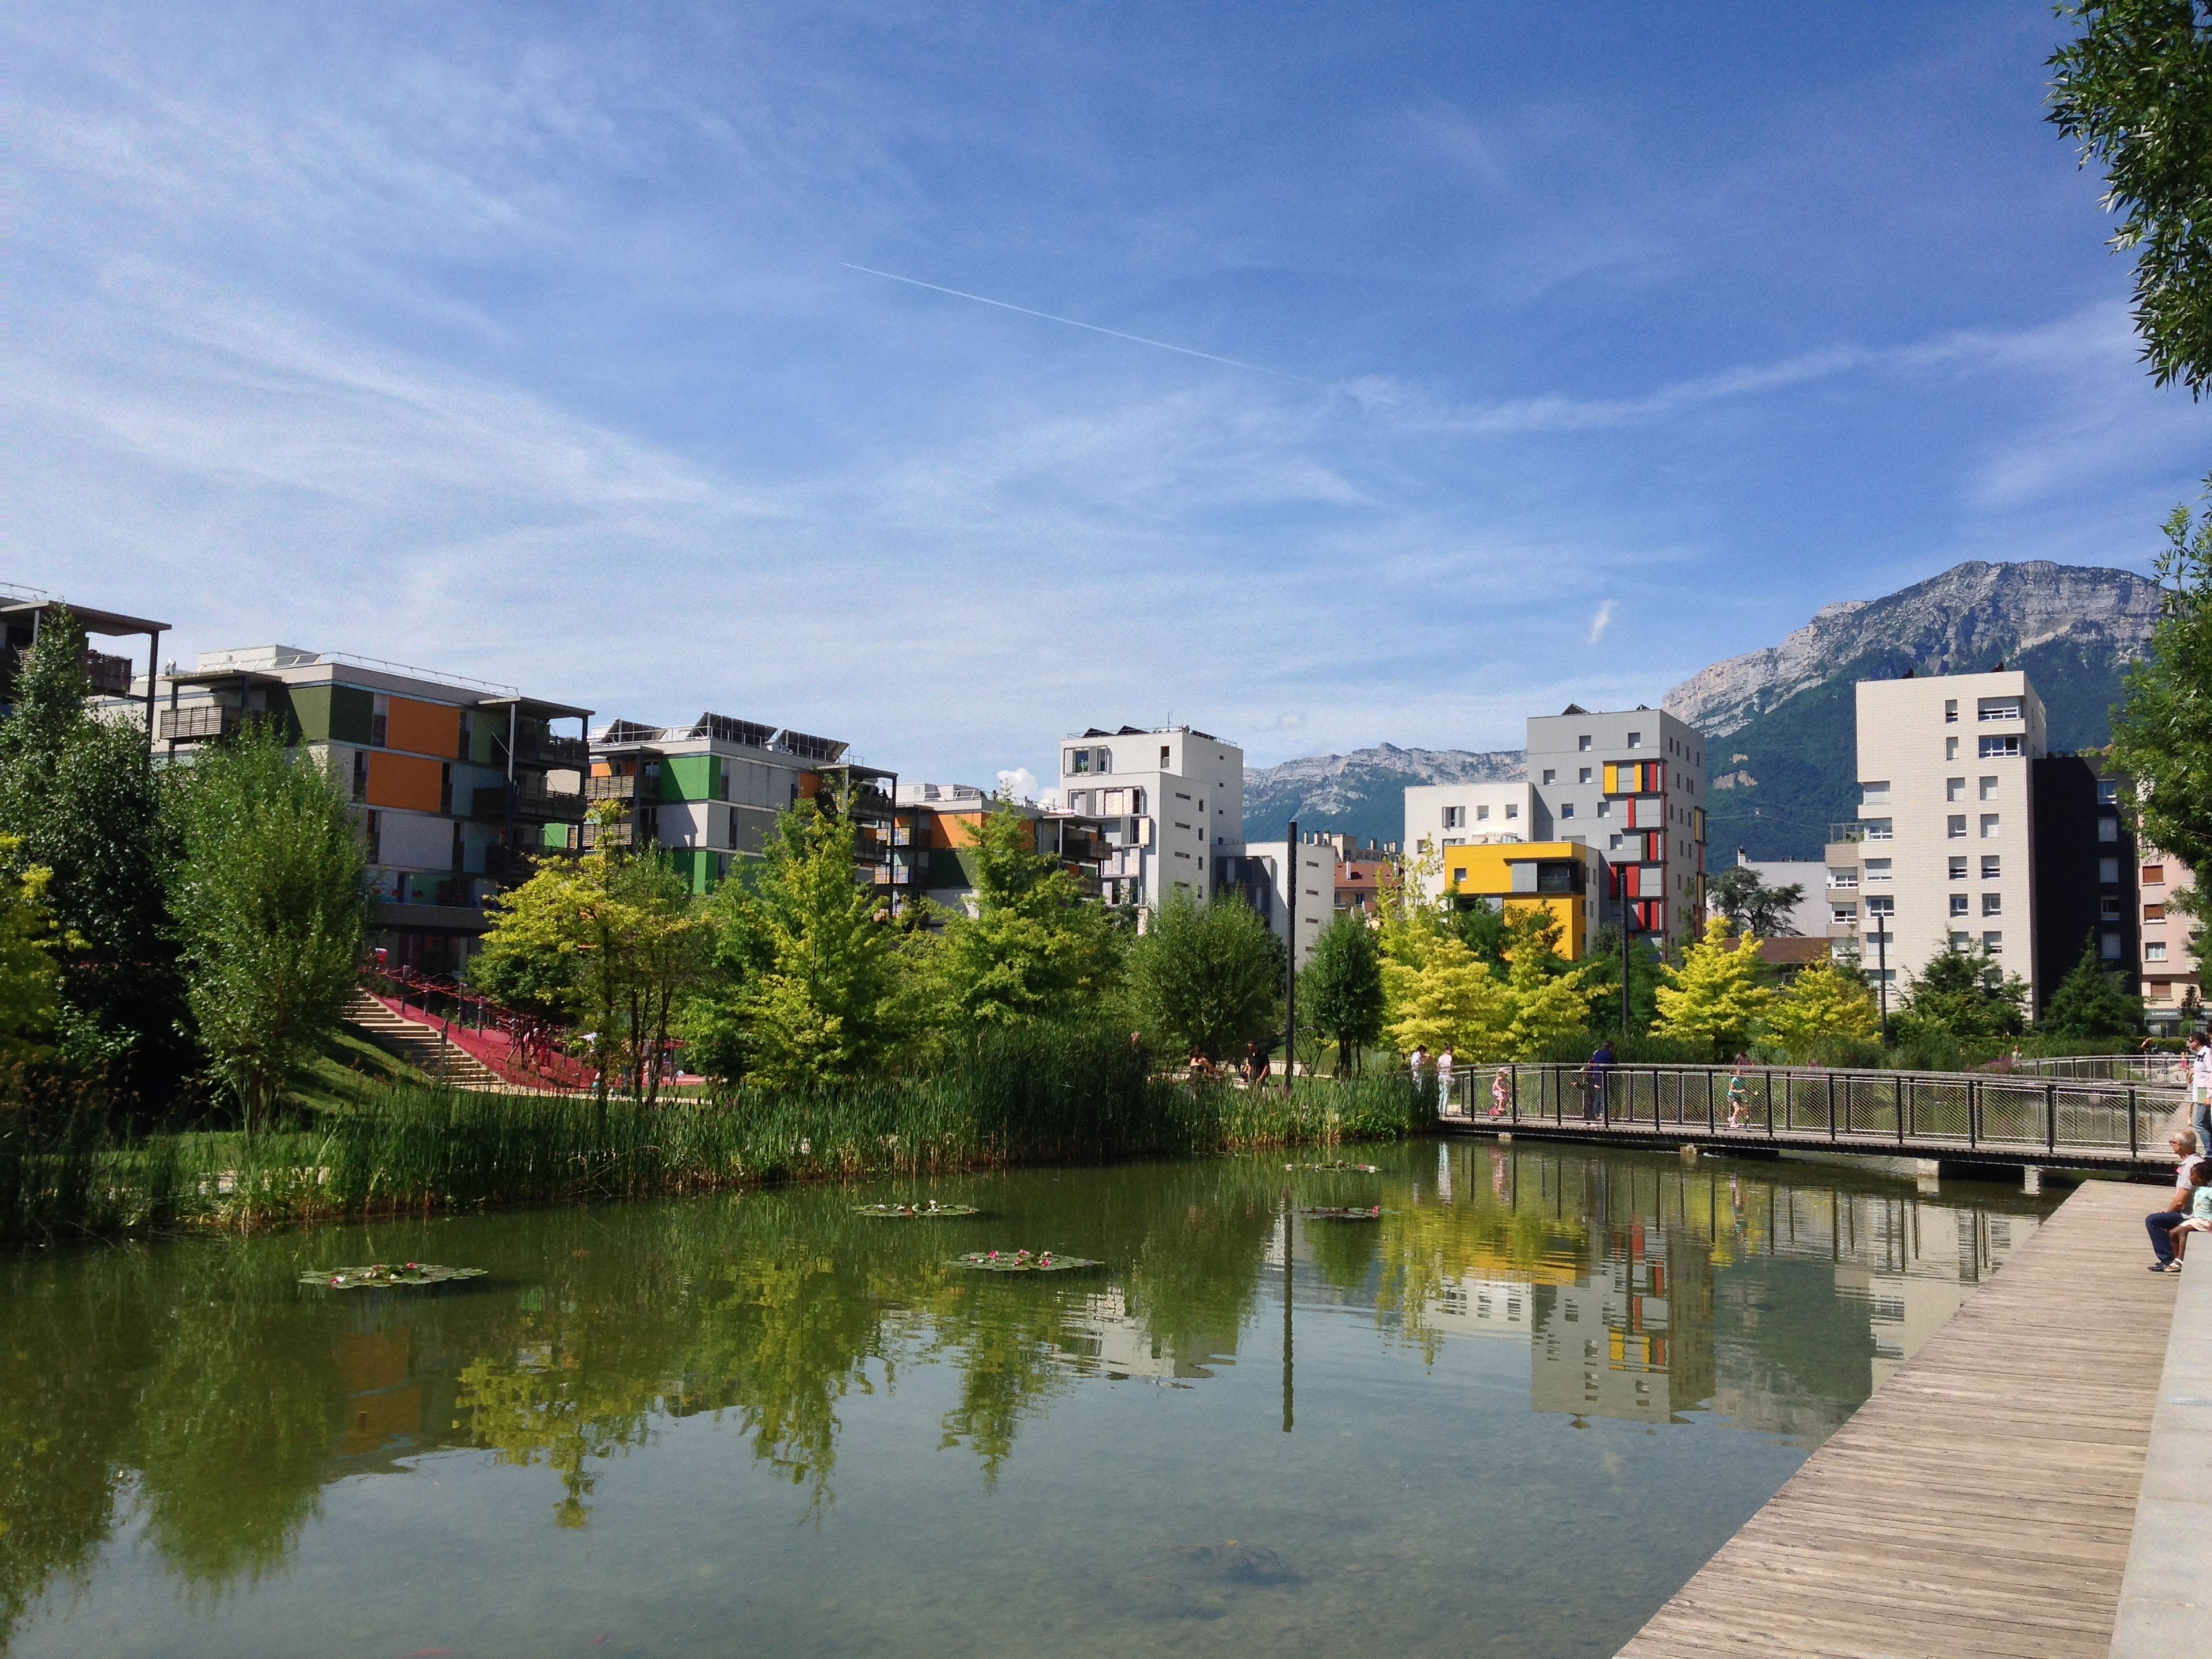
[(196, 1400)]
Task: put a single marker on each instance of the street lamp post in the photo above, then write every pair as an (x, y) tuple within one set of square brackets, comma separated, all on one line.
[(1881, 919)]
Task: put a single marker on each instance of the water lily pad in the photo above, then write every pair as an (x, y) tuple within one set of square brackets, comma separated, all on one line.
[(914, 1212), (1339, 1168), (1344, 1213), (386, 1273), (1023, 1262)]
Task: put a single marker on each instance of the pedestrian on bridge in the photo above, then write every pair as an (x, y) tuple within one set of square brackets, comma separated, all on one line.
[(2200, 1089), (1600, 1070)]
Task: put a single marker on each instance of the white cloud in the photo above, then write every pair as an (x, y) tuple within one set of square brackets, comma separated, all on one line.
[(1022, 784), (1599, 624)]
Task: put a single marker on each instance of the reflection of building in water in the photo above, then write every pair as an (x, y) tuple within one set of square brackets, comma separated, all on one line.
[(1106, 1340), (1482, 1307), (1933, 1260), (1634, 1341)]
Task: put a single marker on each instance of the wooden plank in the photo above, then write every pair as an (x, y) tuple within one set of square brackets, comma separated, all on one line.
[(1979, 1505)]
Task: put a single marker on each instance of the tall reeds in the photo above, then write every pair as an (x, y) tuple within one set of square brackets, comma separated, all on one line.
[(1038, 1098)]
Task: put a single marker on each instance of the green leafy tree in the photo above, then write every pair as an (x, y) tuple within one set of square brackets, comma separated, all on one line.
[(1481, 926), (1341, 992), (1037, 947), (1443, 995), (78, 799), (1550, 1001), (1749, 906), (822, 998), (1717, 995), (2162, 728), (2135, 91), (1208, 978), (1963, 995), (1825, 1005), (2091, 1002), (615, 937), (1601, 972), (270, 907), (30, 984)]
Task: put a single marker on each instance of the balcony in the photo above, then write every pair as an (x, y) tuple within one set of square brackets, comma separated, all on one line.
[(526, 799), (1854, 830), (200, 722), (536, 748), (111, 676), (614, 789)]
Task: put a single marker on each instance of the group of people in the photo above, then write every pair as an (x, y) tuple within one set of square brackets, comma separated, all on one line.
[(1444, 1073), (2190, 1210)]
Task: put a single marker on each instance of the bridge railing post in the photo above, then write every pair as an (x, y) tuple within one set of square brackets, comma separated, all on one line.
[(2051, 1117), (1973, 1114), (1898, 1093), (1831, 1105), (2133, 1150)]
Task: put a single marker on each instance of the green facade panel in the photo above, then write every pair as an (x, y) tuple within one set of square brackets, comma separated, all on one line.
[(332, 713), (692, 777)]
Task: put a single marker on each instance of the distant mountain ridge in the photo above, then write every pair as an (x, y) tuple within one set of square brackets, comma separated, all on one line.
[(1784, 764)]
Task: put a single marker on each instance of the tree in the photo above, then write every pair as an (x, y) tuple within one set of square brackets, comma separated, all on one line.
[(1208, 977), (2091, 1002), (822, 998), (2162, 728), (1444, 996), (1341, 992), (1749, 906), (1037, 947), (1602, 974), (1550, 1002), (270, 909), (1825, 1004), (1963, 995), (30, 984), (1717, 996), (1480, 925), (78, 799), (2135, 91), (615, 938)]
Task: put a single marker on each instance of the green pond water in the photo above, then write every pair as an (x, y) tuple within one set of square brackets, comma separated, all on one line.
[(1511, 1416)]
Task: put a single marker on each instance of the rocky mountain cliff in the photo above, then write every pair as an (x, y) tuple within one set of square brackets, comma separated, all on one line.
[(1785, 764), (1362, 793)]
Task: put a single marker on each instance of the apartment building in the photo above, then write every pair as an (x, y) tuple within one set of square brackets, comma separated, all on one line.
[(1267, 871), (461, 784), (1169, 799), (1808, 918), (2171, 967), (1940, 852), (1359, 870), (2085, 869), (939, 826), (23, 614), (1630, 784), (707, 794), (1442, 815), (1567, 879)]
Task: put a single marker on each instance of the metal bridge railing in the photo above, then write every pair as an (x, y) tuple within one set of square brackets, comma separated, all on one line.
[(1945, 1110)]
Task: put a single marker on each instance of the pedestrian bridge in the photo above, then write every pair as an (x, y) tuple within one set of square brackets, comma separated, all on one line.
[(1957, 1116)]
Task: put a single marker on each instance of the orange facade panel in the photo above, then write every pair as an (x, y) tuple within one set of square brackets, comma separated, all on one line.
[(423, 728), (407, 781)]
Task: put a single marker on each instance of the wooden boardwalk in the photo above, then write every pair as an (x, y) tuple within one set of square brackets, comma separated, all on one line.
[(1982, 1501)]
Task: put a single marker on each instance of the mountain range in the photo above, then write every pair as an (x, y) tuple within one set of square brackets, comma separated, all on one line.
[(1781, 754)]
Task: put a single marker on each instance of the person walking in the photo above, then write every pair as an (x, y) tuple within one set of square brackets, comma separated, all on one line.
[(2160, 1223), (1447, 1063), (1736, 1091), (2200, 1089), (1600, 1072)]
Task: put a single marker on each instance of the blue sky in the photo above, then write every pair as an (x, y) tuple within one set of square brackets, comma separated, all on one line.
[(1568, 349)]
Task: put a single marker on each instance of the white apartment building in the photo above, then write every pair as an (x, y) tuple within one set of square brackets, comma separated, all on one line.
[(1172, 800), (1440, 815), (1940, 852), (1267, 872)]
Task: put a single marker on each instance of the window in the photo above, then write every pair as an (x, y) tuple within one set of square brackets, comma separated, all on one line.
[(1958, 869), (1481, 813), (1954, 827), (1847, 913), (1992, 866), (2108, 909), (1875, 794), (1636, 740), (2108, 947), (2000, 748), (1164, 758), (1962, 941), (1844, 878), (2108, 829), (1566, 809), (2154, 913), (1877, 869), (1997, 708), (1079, 761), (2154, 875), (2153, 950), (1958, 904), (1950, 711), (1988, 788), (2108, 794), (1604, 807), (1950, 748), (1955, 789), (1993, 904), (1550, 776), (1454, 817), (1881, 907), (1993, 942), (1512, 812), (1876, 829), (2108, 872), (1583, 776), (1582, 742), (1991, 824)]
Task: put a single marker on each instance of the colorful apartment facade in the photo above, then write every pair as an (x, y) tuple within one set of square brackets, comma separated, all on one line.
[(1565, 880), (939, 826), (459, 786), (707, 794)]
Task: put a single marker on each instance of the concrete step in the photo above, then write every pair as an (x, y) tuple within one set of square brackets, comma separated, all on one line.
[(419, 1045)]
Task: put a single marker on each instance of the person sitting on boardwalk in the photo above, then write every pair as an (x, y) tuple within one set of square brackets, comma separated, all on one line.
[(2162, 1222), (1600, 1069), (2199, 1219), (1737, 1092)]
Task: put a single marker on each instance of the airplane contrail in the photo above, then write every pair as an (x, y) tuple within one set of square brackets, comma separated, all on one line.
[(1114, 334)]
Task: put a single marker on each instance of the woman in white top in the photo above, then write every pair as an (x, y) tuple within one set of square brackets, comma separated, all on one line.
[(1445, 1063), (2199, 1089)]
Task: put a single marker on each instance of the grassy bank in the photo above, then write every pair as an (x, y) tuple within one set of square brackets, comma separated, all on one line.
[(415, 1149)]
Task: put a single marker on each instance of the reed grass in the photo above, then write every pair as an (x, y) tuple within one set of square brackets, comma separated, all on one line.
[(1023, 1098)]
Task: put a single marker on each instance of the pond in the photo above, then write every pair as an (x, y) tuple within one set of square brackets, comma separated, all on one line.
[(1511, 1414)]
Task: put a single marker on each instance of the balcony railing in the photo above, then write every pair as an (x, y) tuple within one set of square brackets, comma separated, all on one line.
[(1853, 830), (200, 722), (109, 675), (529, 799), (613, 788), (544, 749)]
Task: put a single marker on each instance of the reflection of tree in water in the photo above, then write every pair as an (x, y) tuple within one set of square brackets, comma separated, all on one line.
[(536, 1407)]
